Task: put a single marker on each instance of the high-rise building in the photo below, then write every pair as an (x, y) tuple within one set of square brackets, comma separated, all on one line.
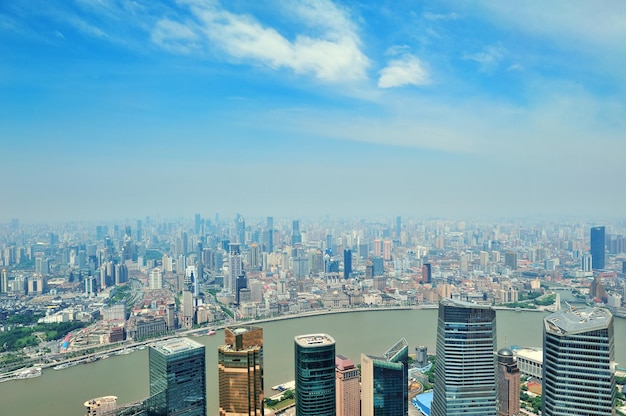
[(235, 268), (348, 387), (597, 247), (586, 262), (240, 368), (387, 250), (4, 281), (156, 278), (347, 263), (178, 377), (578, 363), (508, 384), (296, 236), (384, 382), (315, 375), (427, 273), (465, 374), (510, 260), (398, 227)]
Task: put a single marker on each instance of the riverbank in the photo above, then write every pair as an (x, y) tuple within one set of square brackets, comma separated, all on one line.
[(114, 348)]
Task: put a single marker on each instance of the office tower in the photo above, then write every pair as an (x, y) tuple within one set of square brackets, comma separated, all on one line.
[(315, 375), (197, 223), (578, 363), (398, 227), (296, 237), (240, 229), (240, 368), (178, 377), (378, 266), (347, 263), (139, 232), (235, 268), (348, 387), (586, 262), (483, 257), (4, 283), (384, 382), (508, 384), (254, 257), (427, 273), (510, 260), (465, 374), (597, 247), (387, 250), (242, 283), (188, 309)]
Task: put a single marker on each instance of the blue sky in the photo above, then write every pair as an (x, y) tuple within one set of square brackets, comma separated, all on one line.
[(120, 109)]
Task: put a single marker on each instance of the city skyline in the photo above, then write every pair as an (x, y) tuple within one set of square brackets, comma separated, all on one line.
[(126, 109)]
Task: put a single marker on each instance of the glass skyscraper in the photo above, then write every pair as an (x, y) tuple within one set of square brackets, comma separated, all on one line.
[(465, 371), (177, 378), (578, 363), (315, 375), (240, 368), (384, 382), (597, 247)]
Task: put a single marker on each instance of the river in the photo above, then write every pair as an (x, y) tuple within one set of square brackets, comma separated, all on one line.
[(63, 392)]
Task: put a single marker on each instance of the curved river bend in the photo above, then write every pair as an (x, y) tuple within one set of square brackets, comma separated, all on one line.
[(63, 392)]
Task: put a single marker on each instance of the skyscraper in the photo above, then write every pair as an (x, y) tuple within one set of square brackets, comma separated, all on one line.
[(178, 377), (508, 384), (384, 382), (465, 374), (315, 375), (348, 387), (578, 363), (296, 237), (347, 263), (510, 260), (235, 268), (240, 368), (427, 273), (597, 247)]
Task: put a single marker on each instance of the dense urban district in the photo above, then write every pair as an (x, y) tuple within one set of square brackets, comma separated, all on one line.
[(76, 292)]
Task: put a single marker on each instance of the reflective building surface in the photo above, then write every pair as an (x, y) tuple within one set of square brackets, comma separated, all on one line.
[(315, 375), (385, 382), (578, 363), (465, 371), (178, 378), (240, 368)]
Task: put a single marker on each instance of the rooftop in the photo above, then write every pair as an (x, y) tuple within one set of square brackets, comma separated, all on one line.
[(176, 346), (462, 304), (314, 340), (577, 319)]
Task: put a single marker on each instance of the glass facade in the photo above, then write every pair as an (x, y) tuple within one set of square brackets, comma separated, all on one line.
[(385, 382), (240, 368), (578, 375), (465, 371), (178, 378), (597, 247), (315, 375)]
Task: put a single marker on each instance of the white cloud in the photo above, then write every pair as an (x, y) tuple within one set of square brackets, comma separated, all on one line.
[(330, 54), (174, 36), (489, 58), (406, 70)]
